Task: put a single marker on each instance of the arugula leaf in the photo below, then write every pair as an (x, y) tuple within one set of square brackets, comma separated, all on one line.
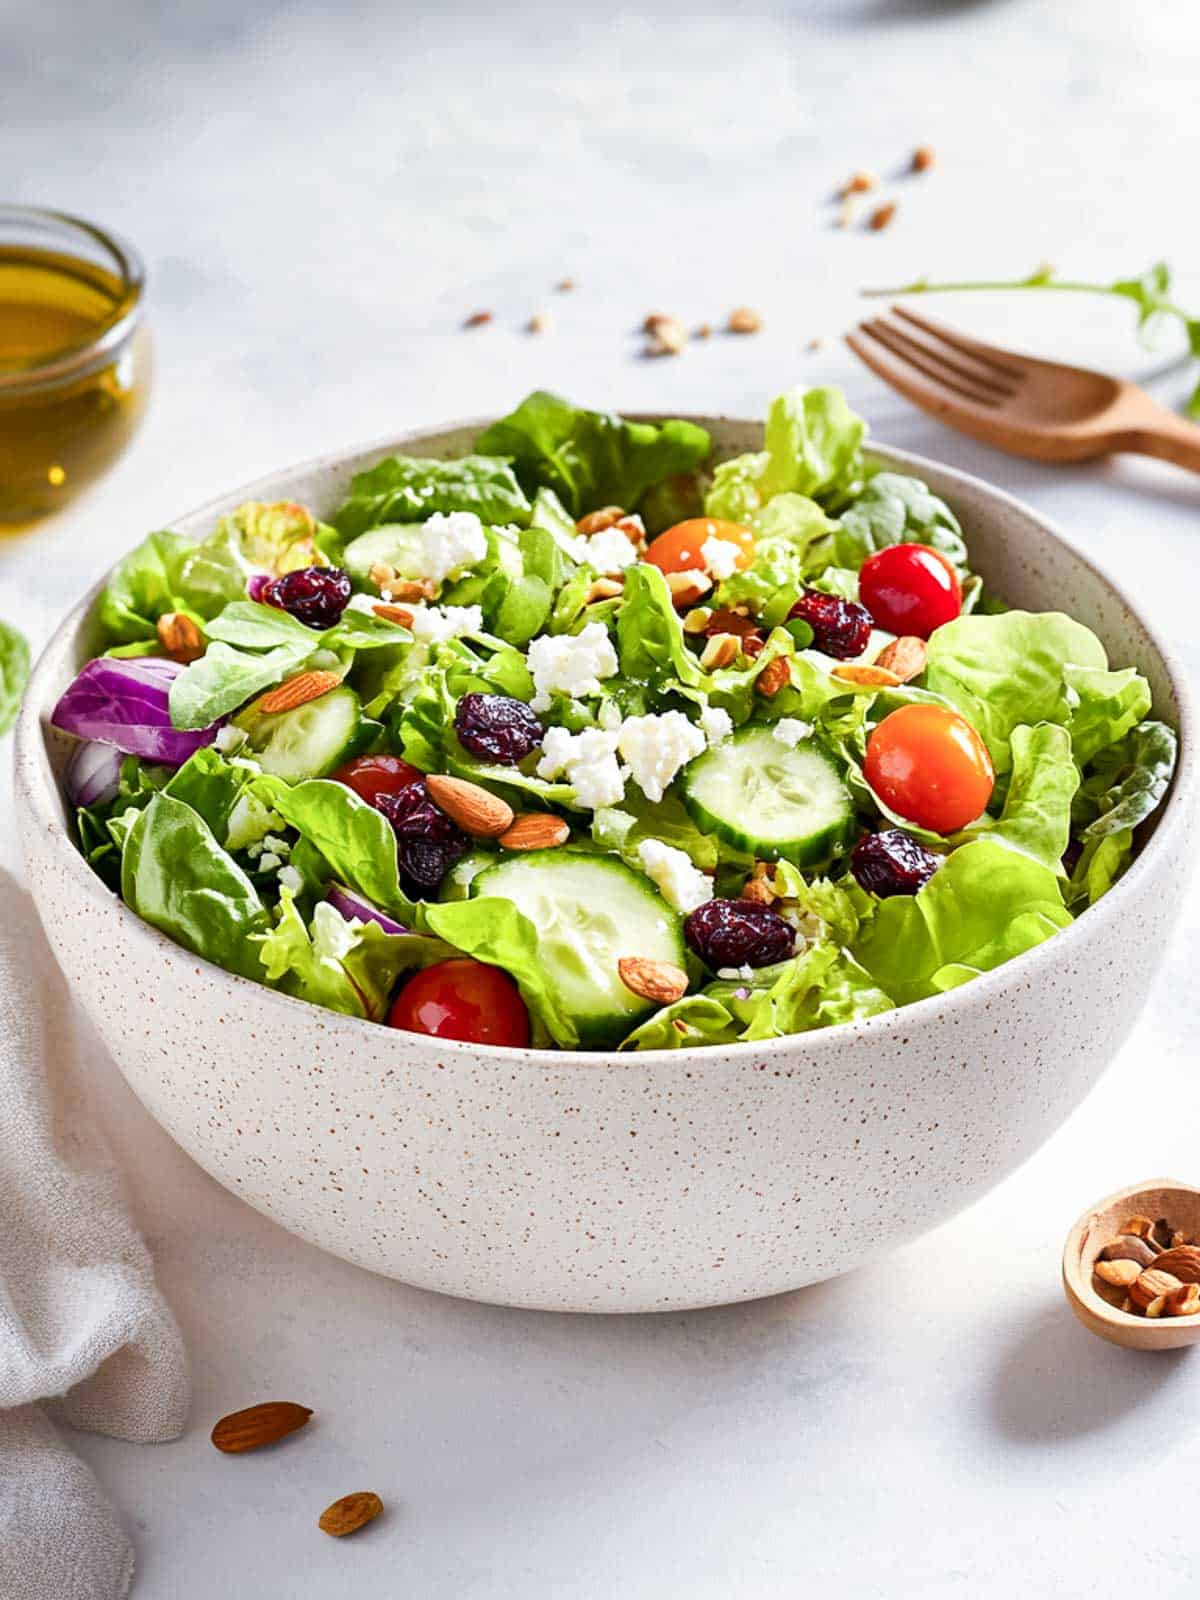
[(985, 904), (591, 458), (493, 930), (410, 489), (14, 673), (177, 877)]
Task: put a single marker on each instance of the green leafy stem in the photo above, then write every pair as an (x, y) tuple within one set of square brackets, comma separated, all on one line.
[(1150, 294)]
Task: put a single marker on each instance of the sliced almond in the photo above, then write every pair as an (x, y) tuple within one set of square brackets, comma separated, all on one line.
[(721, 650), (688, 587), (1120, 1274), (659, 981), (1150, 1285), (604, 589), (864, 675), (535, 830), (597, 521), (475, 809), (258, 1425), (298, 691), (904, 656), (390, 613), (179, 636), (350, 1513), (776, 675)]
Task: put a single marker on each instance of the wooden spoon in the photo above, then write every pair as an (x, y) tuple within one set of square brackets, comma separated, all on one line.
[(1097, 1304)]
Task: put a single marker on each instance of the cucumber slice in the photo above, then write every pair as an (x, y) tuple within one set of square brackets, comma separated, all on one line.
[(776, 802), (310, 740), (396, 544), (589, 910), (456, 885)]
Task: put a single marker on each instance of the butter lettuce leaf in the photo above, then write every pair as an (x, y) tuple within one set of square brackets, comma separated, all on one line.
[(495, 931), (812, 445), (1036, 818), (410, 489)]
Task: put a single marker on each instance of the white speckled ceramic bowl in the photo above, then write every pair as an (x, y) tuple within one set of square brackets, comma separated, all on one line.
[(604, 1182)]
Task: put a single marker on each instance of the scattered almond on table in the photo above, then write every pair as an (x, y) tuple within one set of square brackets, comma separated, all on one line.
[(882, 217), (258, 1425), (477, 319), (350, 1513), (1155, 1266), (744, 320), (923, 158)]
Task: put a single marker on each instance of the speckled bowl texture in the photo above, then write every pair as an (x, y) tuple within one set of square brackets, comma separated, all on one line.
[(605, 1182)]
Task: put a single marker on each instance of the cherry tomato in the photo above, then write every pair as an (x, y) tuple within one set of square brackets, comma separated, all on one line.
[(679, 548), (930, 766), (372, 776), (462, 999), (910, 588)]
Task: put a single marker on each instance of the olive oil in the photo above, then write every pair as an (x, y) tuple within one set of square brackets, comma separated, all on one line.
[(73, 372)]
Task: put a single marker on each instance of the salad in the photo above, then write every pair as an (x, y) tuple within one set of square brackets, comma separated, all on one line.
[(582, 740)]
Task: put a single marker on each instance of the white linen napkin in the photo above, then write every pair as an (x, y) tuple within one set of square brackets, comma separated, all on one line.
[(85, 1336)]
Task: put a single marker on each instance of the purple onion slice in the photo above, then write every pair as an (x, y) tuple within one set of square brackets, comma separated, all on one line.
[(355, 908), (93, 775), (125, 703)]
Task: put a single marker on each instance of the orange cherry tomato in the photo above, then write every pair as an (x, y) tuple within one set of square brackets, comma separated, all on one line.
[(679, 548), (929, 765)]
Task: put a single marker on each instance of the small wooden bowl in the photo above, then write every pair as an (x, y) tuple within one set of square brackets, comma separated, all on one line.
[(1096, 1304)]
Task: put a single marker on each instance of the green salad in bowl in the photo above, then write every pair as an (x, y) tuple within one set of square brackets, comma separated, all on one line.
[(584, 740)]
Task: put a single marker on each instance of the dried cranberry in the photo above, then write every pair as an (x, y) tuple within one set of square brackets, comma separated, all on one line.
[(427, 842), (738, 933), (841, 628), (892, 862), (1071, 856), (495, 727), (316, 596)]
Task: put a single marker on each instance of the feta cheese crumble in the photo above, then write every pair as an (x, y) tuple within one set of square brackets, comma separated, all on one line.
[(450, 542), (720, 557), (681, 884), (609, 552), (436, 624), (791, 731), (656, 747), (229, 739), (571, 664), (715, 724), (289, 878), (588, 761), (744, 973)]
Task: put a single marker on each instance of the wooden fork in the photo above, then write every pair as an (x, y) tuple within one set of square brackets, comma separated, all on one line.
[(1028, 407)]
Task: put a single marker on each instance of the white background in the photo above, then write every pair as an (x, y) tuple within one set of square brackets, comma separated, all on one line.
[(322, 192)]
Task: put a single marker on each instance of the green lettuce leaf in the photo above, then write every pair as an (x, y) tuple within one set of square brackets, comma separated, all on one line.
[(894, 509), (408, 489), (822, 986), (14, 673), (985, 904), (216, 790), (225, 678), (812, 446), (1124, 785), (1036, 818), (1028, 667), (591, 458), (495, 931), (177, 877), (696, 1019), (142, 586)]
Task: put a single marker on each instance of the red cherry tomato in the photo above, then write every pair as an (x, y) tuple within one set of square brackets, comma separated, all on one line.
[(929, 765), (680, 548), (371, 776), (910, 588), (462, 999)]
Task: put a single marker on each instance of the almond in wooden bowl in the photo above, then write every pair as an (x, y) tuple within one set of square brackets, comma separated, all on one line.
[(1121, 1231)]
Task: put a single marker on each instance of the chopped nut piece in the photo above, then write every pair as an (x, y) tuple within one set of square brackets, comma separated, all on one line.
[(411, 589), (721, 650), (654, 320), (604, 589), (565, 285), (882, 216), (1156, 1306), (667, 337), (776, 675), (923, 158), (815, 344), (697, 620), (744, 320), (858, 183), (864, 675), (1118, 1273), (597, 521), (687, 587), (1183, 1302), (704, 331), (381, 575), (477, 319), (539, 322), (759, 891)]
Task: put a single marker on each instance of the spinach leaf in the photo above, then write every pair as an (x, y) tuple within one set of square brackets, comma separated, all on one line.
[(894, 509), (591, 458), (177, 877)]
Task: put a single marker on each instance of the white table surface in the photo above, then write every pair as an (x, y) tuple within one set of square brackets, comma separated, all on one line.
[(322, 192)]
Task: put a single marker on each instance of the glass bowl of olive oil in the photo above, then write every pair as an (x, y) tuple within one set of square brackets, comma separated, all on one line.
[(75, 358)]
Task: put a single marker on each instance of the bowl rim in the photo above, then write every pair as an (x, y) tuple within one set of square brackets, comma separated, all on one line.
[(41, 797)]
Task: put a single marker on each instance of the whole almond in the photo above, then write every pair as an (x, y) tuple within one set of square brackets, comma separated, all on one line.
[(659, 981), (1150, 1285), (1183, 1261), (904, 656), (475, 809), (258, 1425), (1184, 1301), (882, 216), (179, 636), (1118, 1273), (350, 1513), (776, 675), (864, 675), (744, 320), (398, 614), (298, 691), (535, 830), (1130, 1248)]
